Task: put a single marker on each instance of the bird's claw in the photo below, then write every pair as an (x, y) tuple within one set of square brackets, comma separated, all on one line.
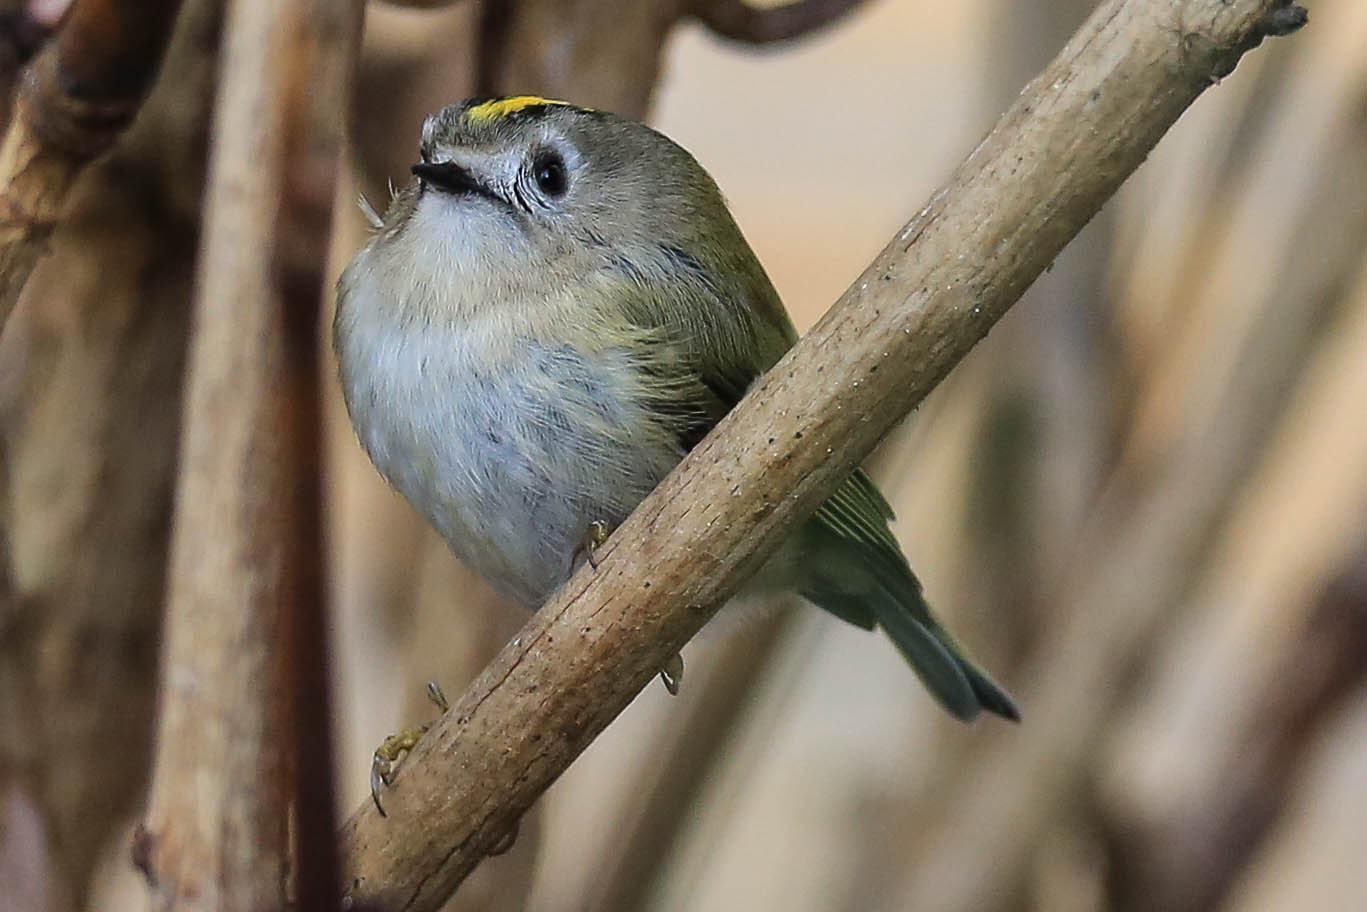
[(393, 749), (595, 534), (506, 841), (671, 675)]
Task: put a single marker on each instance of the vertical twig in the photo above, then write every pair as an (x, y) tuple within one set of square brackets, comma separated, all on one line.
[(318, 93), (216, 833), (245, 549)]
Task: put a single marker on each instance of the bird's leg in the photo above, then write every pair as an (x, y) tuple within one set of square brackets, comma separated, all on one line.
[(595, 534), (393, 749)]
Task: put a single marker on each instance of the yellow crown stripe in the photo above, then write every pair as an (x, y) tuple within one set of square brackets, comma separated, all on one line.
[(502, 107)]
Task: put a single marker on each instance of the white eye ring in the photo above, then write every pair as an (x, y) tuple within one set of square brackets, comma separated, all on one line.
[(550, 173)]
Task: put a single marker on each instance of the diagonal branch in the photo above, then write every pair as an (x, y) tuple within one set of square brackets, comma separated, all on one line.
[(74, 100), (1074, 134)]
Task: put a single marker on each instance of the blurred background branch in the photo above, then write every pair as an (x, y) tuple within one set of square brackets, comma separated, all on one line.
[(1148, 534), (79, 94), (91, 395), (1191, 856), (246, 630), (740, 21)]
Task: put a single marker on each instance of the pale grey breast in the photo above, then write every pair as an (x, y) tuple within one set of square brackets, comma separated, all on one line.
[(485, 444)]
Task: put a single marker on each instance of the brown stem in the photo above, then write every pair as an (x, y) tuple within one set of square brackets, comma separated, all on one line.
[(1188, 859), (75, 99), (317, 92), (20, 38), (245, 550), (558, 47), (739, 21), (95, 354), (1053, 159)]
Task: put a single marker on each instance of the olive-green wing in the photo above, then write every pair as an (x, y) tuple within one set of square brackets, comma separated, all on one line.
[(722, 328), (717, 337)]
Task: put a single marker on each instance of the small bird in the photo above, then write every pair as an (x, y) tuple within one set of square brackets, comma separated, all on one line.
[(551, 313)]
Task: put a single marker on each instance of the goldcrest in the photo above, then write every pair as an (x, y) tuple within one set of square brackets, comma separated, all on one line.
[(551, 313)]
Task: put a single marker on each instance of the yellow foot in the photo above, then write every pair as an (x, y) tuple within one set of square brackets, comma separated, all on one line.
[(393, 749), (672, 674), (594, 536)]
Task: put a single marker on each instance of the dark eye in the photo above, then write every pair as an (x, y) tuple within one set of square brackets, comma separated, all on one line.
[(548, 169)]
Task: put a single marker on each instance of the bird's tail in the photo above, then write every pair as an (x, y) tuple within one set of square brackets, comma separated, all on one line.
[(956, 682), (887, 594)]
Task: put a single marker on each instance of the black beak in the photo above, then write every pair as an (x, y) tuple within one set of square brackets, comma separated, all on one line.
[(448, 178)]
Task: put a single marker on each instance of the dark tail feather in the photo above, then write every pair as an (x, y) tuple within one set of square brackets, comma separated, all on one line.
[(934, 664), (991, 698), (936, 658), (854, 568), (892, 599)]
